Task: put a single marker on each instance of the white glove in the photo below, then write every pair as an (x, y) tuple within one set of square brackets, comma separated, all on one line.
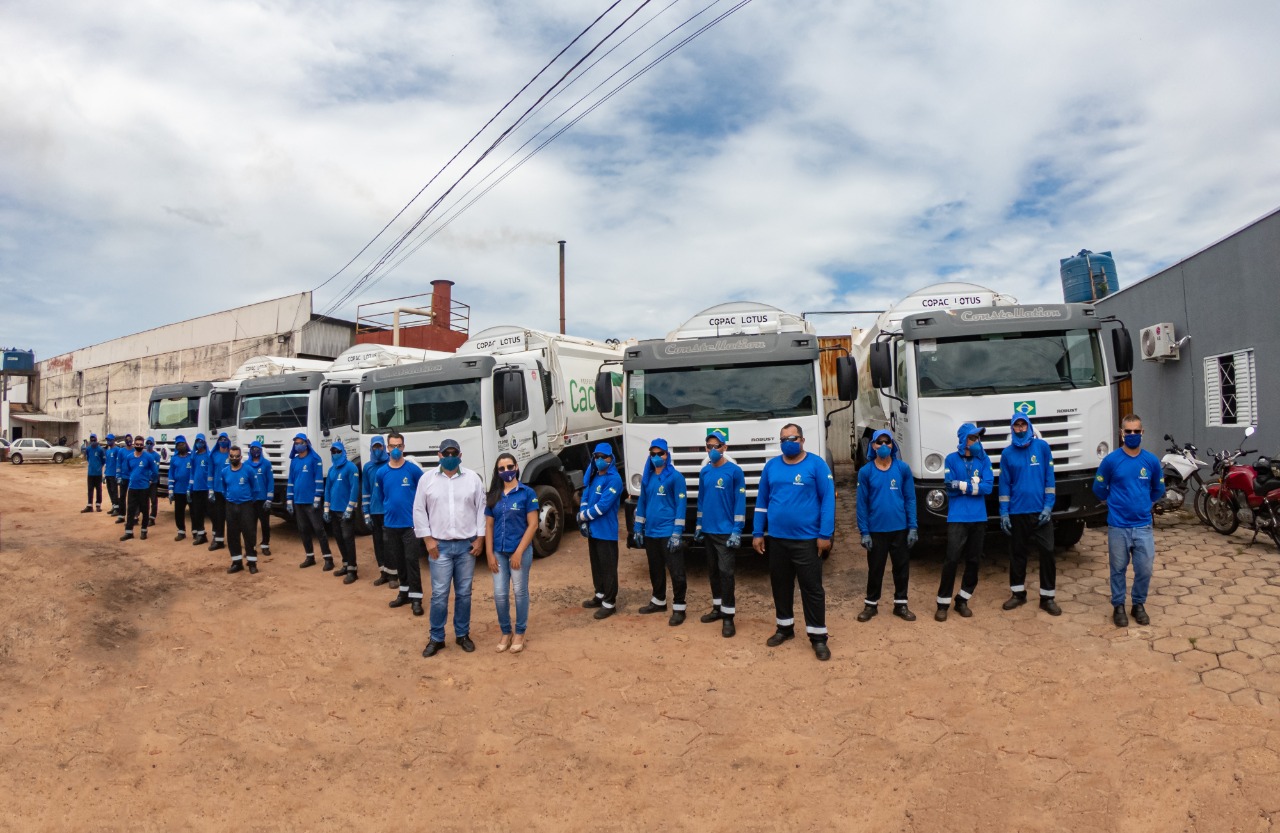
[(960, 486)]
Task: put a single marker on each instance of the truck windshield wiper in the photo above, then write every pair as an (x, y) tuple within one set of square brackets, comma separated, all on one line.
[(969, 391)]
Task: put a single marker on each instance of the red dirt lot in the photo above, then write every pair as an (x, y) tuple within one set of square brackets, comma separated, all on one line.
[(144, 689)]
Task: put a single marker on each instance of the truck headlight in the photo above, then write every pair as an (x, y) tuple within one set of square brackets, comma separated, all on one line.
[(635, 483), (1103, 448), (933, 463), (935, 500)]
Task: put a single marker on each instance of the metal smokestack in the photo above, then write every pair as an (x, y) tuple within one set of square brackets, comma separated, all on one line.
[(561, 287)]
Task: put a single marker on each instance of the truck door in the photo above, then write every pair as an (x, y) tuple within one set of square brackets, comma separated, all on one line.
[(335, 417), (522, 430)]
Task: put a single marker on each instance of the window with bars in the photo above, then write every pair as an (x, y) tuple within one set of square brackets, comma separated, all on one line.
[(1230, 389)]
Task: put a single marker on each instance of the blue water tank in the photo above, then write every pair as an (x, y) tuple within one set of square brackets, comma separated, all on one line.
[(1089, 276), (19, 362)]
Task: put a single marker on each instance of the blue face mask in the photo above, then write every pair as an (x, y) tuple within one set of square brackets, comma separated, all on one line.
[(883, 451), (379, 455), (601, 464), (1132, 440), (715, 454), (1022, 435), (791, 448), (450, 463), (658, 460), (976, 448), (508, 476), (397, 453)]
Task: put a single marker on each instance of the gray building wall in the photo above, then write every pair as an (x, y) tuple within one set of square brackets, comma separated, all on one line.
[(1224, 297)]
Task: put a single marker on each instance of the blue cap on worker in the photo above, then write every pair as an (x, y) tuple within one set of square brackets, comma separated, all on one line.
[(720, 434)]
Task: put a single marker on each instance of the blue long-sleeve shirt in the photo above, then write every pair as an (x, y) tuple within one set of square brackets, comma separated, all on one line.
[(722, 499), (1129, 485), (1026, 482), (974, 470), (139, 469), (342, 486), (600, 496), (109, 465), (370, 489), (119, 454), (180, 474), (796, 500), (662, 504), (399, 486), (306, 477), (201, 476), (96, 456), (262, 477), (236, 485), (886, 499)]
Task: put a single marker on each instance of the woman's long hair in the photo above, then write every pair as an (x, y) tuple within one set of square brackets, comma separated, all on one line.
[(496, 483)]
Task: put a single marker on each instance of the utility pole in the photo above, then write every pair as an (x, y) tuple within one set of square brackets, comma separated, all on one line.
[(561, 287)]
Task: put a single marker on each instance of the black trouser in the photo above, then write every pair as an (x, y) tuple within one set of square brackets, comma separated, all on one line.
[(1026, 532), (886, 546), (379, 546), (242, 523), (661, 562), (113, 492), (963, 539), (199, 503), (310, 522), (264, 520), (180, 512), (792, 560), (95, 485), (720, 564), (404, 553), (218, 513), (344, 532), (153, 498), (137, 500), (604, 569)]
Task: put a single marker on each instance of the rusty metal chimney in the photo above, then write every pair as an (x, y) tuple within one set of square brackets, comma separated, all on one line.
[(442, 304)]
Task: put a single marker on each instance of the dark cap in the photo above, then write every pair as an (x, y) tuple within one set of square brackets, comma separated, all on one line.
[(445, 445)]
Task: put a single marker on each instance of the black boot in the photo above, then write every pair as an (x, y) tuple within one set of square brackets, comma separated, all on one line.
[(328, 563), (868, 611), (351, 578), (904, 613), (216, 545), (235, 567), (605, 612), (1050, 606), (726, 626), (1117, 616), (941, 615), (144, 535), (309, 561), (962, 607), (1018, 599), (129, 536), (181, 536), (253, 568), (821, 651), (86, 509), (782, 634), (714, 616), (677, 618), (1139, 611), (266, 549), (652, 608), (594, 601), (382, 579), (400, 600), (341, 571)]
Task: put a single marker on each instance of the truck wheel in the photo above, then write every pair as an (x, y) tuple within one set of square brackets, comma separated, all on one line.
[(1067, 534), (550, 521), (58, 458)]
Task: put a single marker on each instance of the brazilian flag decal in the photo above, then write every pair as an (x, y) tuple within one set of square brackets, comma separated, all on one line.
[(1027, 408)]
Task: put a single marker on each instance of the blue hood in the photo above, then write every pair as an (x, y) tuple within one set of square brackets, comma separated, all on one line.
[(1031, 432), (253, 445), (200, 444), (221, 437), (648, 464), (378, 456), (293, 452), (592, 471), (883, 433), (341, 455), (962, 434), (179, 439)]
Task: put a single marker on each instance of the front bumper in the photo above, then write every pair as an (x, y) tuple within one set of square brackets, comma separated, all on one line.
[(1075, 502)]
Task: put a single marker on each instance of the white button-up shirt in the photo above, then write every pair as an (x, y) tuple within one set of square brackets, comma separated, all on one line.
[(449, 508)]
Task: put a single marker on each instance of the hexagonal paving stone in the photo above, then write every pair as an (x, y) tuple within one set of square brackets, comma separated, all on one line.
[(1215, 645), (1195, 631), (1266, 633), (1215, 609), (1240, 662), (1203, 619), (1244, 697), (1257, 648), (1174, 645), (1228, 631), (1253, 609), (1195, 600), (1220, 679), (1197, 660), (1270, 590), (1243, 621), (1171, 590), (1228, 599), (1272, 619), (1266, 681)]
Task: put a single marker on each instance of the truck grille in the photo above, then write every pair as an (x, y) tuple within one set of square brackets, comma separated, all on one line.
[(1062, 433), (750, 458)]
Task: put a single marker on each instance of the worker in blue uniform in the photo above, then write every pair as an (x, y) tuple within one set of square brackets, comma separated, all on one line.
[(598, 517), (96, 459), (235, 484), (341, 501), (969, 481), (886, 505), (1027, 493), (722, 512), (659, 527)]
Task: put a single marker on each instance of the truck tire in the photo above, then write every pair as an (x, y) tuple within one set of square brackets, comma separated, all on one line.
[(550, 521), (1066, 534)]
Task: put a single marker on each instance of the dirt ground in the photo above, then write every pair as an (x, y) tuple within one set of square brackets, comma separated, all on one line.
[(142, 688)]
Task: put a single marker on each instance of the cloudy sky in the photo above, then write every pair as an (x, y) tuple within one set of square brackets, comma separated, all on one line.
[(161, 159)]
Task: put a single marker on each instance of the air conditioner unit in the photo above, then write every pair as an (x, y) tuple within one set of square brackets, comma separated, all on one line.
[(1159, 343)]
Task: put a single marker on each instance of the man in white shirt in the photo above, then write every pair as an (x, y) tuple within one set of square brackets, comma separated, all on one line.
[(448, 515)]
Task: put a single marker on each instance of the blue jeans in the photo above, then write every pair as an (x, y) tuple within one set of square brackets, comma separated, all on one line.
[(456, 564), (1136, 544), (502, 581)]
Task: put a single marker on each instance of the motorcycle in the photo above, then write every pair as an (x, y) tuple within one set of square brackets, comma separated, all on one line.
[(1232, 500), (1181, 476)]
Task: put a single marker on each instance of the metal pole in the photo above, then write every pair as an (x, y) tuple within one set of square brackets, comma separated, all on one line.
[(561, 287)]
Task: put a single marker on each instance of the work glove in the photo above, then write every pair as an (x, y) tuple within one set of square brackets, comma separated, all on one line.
[(697, 534), (368, 520), (327, 516), (346, 516), (866, 542), (913, 537), (317, 503), (1045, 513), (1006, 524), (960, 486), (734, 541), (266, 506), (673, 543), (288, 507), (582, 516), (637, 538), (584, 529)]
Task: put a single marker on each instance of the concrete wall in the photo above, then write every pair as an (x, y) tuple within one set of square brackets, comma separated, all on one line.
[(106, 387), (1224, 297)]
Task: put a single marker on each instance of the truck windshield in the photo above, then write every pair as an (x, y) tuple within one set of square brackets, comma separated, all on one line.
[(737, 391), (1009, 363), (428, 407), (274, 410), (180, 412)]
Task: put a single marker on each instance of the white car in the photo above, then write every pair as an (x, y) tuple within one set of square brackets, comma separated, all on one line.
[(38, 450)]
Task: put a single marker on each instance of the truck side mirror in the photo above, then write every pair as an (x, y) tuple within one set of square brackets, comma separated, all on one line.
[(881, 365), (353, 410), (1122, 346), (328, 408), (846, 379), (604, 392)]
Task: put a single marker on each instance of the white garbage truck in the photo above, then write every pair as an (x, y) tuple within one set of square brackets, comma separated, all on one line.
[(743, 367), (507, 389), (953, 353), (208, 407)]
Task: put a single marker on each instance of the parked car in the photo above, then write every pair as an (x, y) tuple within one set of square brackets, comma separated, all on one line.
[(38, 450), (4, 450)]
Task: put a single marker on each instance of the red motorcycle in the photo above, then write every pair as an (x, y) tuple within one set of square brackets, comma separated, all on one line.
[(1249, 496)]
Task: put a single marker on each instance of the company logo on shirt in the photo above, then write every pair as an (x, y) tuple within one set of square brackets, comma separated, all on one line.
[(1142, 473), (662, 490), (1034, 461), (404, 481), (893, 484), (719, 482), (799, 481)]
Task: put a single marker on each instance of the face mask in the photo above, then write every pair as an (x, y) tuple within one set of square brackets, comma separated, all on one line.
[(714, 455), (450, 463), (397, 453), (336, 453), (255, 453), (235, 462), (1022, 435), (379, 455), (601, 464), (883, 451), (975, 448), (137, 448), (508, 476), (791, 448), (1132, 440), (658, 460)]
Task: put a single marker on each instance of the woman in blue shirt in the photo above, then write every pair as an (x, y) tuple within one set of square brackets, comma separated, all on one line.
[(511, 514)]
